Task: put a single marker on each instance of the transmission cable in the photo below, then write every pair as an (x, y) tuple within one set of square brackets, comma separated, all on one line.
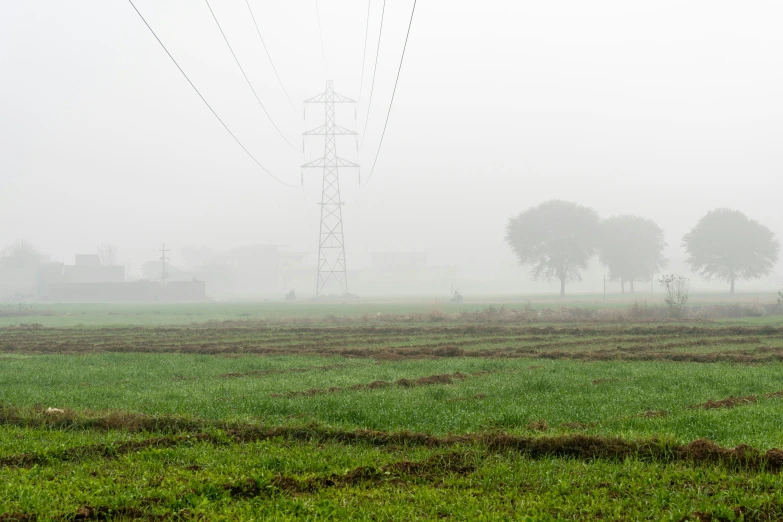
[(364, 53), (248, 79), (270, 57), (205, 101), (392, 97), (321, 36), (372, 85)]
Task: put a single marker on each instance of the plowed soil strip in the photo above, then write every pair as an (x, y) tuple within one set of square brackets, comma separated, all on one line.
[(255, 338), (762, 354), (582, 447)]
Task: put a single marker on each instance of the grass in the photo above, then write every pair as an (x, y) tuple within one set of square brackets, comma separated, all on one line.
[(557, 392), (295, 480), (466, 419)]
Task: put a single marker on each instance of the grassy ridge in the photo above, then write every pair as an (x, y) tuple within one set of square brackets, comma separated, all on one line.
[(606, 397), (312, 479)]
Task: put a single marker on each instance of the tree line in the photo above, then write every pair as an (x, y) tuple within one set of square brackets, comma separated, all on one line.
[(557, 239)]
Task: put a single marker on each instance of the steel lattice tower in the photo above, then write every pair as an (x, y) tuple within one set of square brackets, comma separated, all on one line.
[(331, 243)]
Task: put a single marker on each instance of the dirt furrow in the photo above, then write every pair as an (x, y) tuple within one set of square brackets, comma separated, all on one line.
[(576, 446)]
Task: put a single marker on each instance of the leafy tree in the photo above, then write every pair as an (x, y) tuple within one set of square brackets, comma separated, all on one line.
[(631, 247), (556, 238), (728, 245), (19, 263)]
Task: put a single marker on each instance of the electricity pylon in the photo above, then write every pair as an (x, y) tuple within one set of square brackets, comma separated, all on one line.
[(163, 258), (331, 244)]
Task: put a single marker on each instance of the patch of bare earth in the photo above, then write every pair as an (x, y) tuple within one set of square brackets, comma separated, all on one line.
[(731, 402), (445, 378)]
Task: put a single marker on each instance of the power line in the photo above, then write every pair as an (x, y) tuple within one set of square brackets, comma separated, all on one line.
[(372, 85), (394, 91), (270, 57), (364, 53), (321, 35), (248, 79), (204, 99)]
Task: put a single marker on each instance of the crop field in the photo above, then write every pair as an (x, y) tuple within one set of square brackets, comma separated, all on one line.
[(389, 417)]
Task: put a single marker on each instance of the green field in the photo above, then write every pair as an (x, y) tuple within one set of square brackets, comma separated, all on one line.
[(243, 411), (83, 315)]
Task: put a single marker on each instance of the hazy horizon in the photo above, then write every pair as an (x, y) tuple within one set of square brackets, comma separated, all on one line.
[(663, 110)]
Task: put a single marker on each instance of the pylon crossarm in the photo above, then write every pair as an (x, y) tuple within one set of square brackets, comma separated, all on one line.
[(316, 163), (324, 98), (338, 162), (345, 163), (337, 131)]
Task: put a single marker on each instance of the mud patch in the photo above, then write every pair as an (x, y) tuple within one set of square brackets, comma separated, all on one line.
[(247, 488), (654, 414), (445, 378), (181, 378), (18, 517), (282, 370), (107, 513), (433, 470), (578, 425), (539, 425), (731, 402)]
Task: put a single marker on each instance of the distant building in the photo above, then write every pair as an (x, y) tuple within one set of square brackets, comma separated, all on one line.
[(256, 270), (135, 292), (87, 281), (404, 273), (88, 269)]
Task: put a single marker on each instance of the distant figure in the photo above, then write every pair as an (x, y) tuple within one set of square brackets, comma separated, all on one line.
[(456, 298), (290, 296)]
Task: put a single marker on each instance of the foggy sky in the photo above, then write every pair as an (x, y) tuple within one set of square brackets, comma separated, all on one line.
[(662, 109)]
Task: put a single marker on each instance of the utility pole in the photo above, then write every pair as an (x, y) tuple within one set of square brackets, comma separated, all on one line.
[(163, 259), (331, 243)]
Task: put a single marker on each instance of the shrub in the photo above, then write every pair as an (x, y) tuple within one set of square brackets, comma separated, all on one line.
[(676, 290)]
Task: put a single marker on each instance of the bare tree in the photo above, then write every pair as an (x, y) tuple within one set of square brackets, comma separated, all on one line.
[(108, 254), (21, 254)]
